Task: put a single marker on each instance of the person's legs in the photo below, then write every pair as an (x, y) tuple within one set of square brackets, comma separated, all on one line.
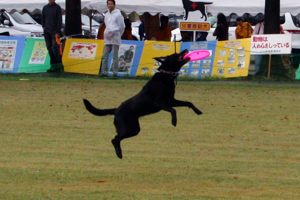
[(258, 59), (115, 63), (104, 66), (50, 45), (53, 49)]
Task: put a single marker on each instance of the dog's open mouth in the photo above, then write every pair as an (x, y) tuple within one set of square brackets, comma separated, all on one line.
[(182, 54)]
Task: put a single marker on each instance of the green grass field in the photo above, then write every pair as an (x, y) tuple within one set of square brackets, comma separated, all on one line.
[(246, 145)]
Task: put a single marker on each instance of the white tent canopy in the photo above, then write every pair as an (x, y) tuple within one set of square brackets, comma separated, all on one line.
[(32, 5), (142, 6), (252, 7), (166, 7)]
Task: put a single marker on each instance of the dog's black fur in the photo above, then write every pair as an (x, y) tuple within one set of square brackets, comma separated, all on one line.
[(156, 95), (187, 5)]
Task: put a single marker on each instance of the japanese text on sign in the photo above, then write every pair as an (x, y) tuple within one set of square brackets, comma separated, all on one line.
[(271, 44), (195, 26)]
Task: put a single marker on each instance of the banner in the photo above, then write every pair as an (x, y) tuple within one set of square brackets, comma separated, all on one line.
[(148, 66), (130, 53), (199, 68), (35, 57), (11, 50), (82, 56), (298, 73), (271, 44), (232, 58)]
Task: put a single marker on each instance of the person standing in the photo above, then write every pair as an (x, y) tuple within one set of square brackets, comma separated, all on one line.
[(52, 23), (258, 30), (222, 28), (142, 28), (127, 35), (115, 26), (164, 32), (243, 29), (100, 35)]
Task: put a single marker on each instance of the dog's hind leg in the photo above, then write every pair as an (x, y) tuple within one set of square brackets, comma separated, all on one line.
[(117, 144), (125, 128), (177, 103)]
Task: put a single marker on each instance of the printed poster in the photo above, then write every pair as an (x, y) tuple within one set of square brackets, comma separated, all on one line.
[(7, 54), (82, 56), (148, 66), (232, 58), (199, 68), (39, 53), (128, 57), (35, 57), (83, 50), (11, 51)]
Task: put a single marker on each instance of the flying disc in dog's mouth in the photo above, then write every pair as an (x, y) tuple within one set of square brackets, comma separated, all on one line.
[(197, 55)]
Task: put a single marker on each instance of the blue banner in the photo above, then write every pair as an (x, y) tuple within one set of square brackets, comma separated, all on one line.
[(199, 68), (11, 51), (130, 53)]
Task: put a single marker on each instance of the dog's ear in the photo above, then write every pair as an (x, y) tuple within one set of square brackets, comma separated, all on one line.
[(160, 59)]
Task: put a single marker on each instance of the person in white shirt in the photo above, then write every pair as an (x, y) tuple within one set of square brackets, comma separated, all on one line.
[(259, 28), (115, 26)]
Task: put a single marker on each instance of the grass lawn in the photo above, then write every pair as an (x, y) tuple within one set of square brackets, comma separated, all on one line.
[(246, 145)]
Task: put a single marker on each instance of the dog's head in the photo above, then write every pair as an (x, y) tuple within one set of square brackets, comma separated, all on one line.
[(173, 62)]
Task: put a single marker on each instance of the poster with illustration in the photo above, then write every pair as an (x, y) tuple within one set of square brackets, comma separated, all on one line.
[(35, 57), (7, 54), (199, 68), (11, 50), (82, 55), (83, 50), (39, 53)]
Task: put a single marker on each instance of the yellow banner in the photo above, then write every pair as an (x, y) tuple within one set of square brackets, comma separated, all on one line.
[(82, 56), (148, 66), (232, 58)]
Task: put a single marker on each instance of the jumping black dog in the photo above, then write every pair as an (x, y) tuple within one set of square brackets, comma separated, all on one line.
[(156, 95), (193, 6)]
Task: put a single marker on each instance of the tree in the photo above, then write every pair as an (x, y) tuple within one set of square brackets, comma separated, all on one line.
[(73, 17), (272, 26), (272, 17)]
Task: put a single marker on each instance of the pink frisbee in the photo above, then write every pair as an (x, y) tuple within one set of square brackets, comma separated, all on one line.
[(197, 55)]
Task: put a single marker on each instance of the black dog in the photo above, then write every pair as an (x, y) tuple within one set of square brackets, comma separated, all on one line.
[(193, 6), (156, 95)]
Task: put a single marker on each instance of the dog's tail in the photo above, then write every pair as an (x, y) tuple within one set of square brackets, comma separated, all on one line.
[(97, 111)]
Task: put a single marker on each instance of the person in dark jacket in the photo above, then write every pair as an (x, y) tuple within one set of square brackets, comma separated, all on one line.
[(52, 23), (222, 28)]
